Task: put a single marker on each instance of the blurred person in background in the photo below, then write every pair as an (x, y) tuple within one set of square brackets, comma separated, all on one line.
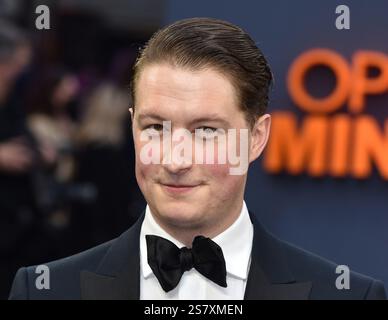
[(49, 116), (104, 145), (50, 96), (15, 156), (18, 154)]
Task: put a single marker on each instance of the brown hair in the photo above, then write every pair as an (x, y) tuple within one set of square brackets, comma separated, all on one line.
[(198, 43)]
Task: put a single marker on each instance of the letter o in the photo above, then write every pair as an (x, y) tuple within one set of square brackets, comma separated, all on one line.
[(297, 73)]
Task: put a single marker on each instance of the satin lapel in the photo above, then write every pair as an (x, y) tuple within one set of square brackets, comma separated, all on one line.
[(118, 275), (269, 275)]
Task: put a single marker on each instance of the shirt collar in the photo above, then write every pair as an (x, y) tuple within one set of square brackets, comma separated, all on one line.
[(236, 243)]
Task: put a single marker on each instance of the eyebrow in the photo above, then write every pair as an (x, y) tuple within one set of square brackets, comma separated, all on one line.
[(209, 118)]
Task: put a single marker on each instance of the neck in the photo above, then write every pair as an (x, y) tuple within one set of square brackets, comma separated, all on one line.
[(186, 234)]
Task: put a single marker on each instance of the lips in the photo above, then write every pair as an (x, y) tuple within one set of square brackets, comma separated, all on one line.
[(178, 189)]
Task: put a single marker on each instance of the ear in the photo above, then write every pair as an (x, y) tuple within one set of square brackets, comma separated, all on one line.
[(131, 112), (259, 136)]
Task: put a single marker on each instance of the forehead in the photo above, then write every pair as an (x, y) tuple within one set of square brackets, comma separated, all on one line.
[(173, 90)]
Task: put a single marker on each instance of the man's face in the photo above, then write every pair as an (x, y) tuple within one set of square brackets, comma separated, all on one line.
[(191, 194)]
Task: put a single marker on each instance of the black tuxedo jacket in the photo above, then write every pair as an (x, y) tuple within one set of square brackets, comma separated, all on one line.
[(112, 271)]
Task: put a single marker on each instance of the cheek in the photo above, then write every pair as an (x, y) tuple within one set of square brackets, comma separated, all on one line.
[(144, 172), (220, 178), (145, 175), (217, 171)]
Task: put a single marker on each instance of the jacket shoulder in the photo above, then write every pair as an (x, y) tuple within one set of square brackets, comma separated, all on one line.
[(330, 280), (59, 279)]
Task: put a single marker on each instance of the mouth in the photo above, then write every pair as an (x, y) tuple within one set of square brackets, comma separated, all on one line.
[(178, 188)]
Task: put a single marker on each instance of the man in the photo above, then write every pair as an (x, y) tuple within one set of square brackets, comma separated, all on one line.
[(198, 82)]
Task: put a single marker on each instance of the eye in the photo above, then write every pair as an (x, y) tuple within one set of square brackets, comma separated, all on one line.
[(154, 126), (206, 132), (154, 129), (208, 129)]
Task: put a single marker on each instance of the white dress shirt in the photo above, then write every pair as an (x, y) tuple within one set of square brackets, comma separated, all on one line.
[(236, 244)]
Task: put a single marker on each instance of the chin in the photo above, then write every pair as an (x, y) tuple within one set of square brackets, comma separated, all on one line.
[(180, 215)]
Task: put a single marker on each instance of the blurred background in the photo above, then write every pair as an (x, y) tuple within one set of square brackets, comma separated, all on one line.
[(67, 178)]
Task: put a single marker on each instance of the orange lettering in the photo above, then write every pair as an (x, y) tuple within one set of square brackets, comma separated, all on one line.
[(340, 126), (294, 151), (362, 61), (297, 73), (370, 145)]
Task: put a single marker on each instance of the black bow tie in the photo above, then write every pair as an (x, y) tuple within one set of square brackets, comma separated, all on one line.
[(168, 262)]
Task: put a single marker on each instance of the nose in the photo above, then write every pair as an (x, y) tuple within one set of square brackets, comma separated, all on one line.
[(177, 152), (177, 168)]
